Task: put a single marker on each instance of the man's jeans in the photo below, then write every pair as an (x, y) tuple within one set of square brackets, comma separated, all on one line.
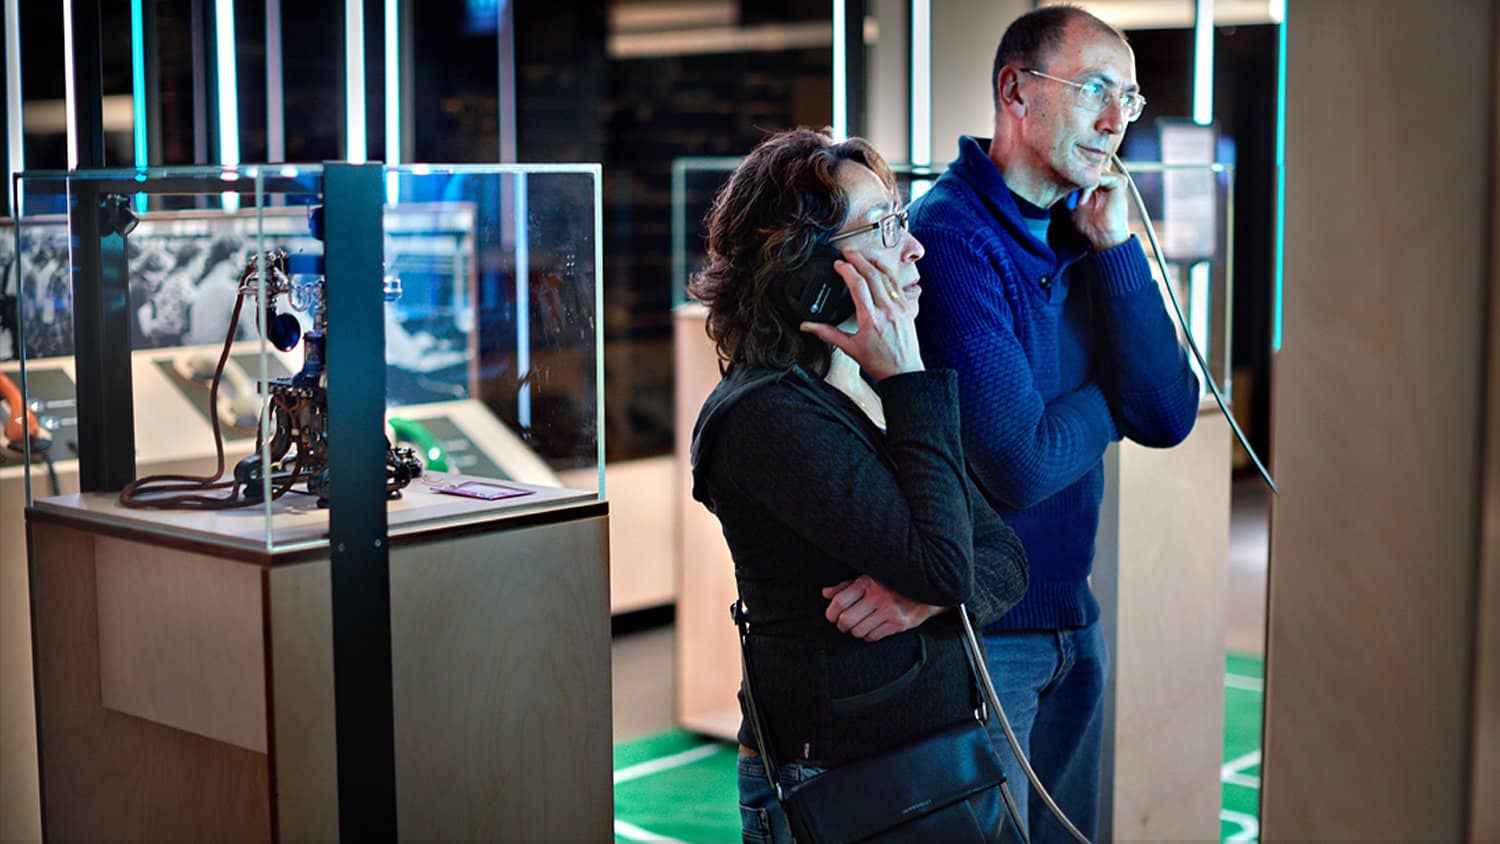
[(1051, 684), (762, 820)]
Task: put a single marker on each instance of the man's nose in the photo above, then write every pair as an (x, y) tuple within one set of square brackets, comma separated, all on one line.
[(1112, 118)]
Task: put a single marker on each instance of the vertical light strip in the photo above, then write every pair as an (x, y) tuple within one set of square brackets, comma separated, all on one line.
[(392, 100), (275, 107), (138, 83), (523, 306), (1203, 62), (14, 134), (1279, 258), (392, 82), (354, 81), (921, 82), (228, 83), (1198, 296), (840, 73), (70, 93), (228, 96), (138, 92)]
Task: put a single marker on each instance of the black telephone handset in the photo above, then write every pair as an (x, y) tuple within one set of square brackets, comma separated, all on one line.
[(815, 292)]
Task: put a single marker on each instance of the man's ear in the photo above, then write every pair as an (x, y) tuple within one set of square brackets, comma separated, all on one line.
[(1008, 83)]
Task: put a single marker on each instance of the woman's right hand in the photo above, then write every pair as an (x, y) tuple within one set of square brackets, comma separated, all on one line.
[(885, 339)]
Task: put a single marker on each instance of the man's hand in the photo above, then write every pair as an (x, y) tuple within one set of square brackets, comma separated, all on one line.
[(865, 609), (1102, 214)]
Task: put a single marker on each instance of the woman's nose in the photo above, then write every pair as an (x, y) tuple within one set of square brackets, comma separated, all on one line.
[(912, 250)]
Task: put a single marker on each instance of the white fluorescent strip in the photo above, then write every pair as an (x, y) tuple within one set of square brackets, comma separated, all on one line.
[(523, 305), (70, 94), (392, 83), (354, 80), (275, 110), (921, 82), (228, 83), (15, 136), (138, 88), (1198, 293), (1203, 63), (840, 74)]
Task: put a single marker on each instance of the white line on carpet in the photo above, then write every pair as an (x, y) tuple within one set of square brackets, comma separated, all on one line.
[(665, 763), (1248, 684), (625, 829)]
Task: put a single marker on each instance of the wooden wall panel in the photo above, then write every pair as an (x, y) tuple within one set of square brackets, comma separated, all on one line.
[(181, 640), (111, 776), (1484, 814), (501, 671), (1161, 576), (708, 663), (1377, 398), (304, 738)]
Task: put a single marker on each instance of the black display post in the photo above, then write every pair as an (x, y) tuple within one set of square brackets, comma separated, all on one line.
[(101, 279), (352, 207)]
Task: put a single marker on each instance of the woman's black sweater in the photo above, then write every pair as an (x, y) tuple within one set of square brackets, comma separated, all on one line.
[(810, 493)]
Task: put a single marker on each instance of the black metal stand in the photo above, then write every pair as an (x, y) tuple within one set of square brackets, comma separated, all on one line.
[(353, 201)]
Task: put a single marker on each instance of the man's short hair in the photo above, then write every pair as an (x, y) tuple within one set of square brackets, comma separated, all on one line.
[(1031, 36)]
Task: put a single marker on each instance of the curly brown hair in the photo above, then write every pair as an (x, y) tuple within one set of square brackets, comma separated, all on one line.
[(782, 201)]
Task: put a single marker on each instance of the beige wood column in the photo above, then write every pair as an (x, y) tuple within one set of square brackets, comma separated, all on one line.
[(1161, 576), (1373, 711)]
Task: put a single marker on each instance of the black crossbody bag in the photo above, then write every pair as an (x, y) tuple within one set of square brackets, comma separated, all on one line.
[(946, 786)]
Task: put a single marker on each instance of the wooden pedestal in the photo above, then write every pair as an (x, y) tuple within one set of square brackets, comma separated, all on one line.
[(185, 685)]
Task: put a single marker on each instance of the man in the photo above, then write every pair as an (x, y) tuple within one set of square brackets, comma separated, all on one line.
[(1039, 296)]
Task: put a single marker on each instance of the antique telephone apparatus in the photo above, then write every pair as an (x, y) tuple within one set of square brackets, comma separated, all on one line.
[(294, 424)]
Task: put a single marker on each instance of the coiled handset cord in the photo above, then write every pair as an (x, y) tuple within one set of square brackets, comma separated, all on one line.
[(1166, 277)]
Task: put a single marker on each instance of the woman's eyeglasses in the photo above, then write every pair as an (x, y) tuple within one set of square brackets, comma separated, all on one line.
[(890, 226)]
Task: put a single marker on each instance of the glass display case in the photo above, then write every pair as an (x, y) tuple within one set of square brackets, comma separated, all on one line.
[(210, 281), (312, 464)]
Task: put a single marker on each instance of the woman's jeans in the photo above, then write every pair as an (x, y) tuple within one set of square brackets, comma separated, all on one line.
[(761, 819)]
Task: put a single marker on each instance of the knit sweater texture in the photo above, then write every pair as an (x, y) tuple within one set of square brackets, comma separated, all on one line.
[(811, 493), (1060, 350)]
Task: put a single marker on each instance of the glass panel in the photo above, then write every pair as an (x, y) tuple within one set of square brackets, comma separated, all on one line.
[(491, 338), (492, 343)]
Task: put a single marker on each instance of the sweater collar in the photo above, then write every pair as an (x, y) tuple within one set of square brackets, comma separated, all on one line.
[(974, 167)]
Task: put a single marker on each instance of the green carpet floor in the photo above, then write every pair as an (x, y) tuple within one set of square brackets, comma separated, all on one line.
[(677, 786)]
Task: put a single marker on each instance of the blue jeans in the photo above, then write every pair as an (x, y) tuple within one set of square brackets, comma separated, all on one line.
[(762, 820), (1051, 684)]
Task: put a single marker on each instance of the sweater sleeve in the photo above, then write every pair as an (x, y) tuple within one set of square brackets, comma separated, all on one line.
[(905, 521), (1000, 569), (1152, 390), (1023, 448)]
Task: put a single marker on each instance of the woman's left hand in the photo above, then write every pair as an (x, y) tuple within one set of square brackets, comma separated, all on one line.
[(865, 609), (885, 340)]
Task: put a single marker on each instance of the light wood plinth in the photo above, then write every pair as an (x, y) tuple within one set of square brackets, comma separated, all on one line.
[(1161, 574), (500, 665), (708, 663)]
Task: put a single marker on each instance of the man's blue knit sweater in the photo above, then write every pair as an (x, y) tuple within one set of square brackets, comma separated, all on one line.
[(1060, 350)]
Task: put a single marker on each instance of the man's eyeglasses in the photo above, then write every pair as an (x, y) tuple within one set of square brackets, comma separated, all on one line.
[(891, 226), (1096, 96)]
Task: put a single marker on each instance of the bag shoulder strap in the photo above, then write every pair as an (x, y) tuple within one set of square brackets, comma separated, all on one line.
[(741, 615)]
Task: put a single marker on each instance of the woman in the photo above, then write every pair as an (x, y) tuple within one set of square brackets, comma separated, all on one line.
[(833, 461)]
